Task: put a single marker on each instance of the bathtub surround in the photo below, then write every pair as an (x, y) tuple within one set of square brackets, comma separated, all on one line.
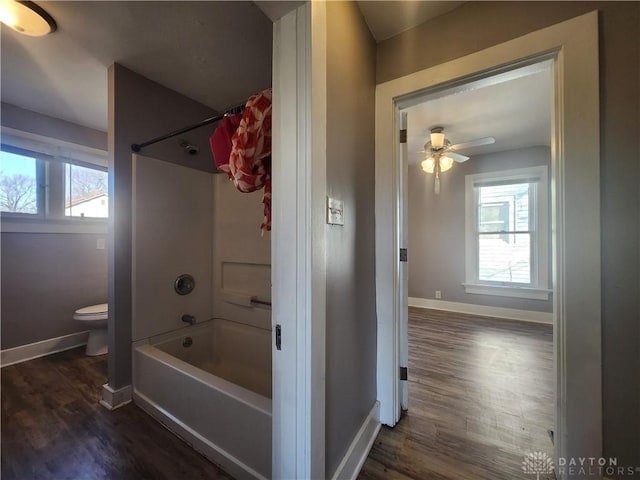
[(139, 109), (172, 223), (210, 382), (241, 255)]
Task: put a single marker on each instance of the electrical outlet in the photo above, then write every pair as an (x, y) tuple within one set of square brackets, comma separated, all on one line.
[(438, 294)]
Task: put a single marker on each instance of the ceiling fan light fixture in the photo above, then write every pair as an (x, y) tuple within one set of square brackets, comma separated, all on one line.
[(437, 140), (428, 164), (445, 163), (26, 18)]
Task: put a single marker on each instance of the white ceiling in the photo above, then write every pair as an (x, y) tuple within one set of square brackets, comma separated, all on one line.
[(514, 108), (217, 53)]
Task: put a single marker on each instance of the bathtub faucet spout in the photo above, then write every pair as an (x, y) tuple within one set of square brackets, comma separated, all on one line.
[(190, 319)]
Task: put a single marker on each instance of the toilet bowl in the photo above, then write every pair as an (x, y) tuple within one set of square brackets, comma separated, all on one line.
[(95, 319)]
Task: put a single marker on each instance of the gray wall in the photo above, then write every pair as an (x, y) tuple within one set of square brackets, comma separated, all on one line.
[(47, 276), (139, 109), (351, 320), (478, 25), (437, 229)]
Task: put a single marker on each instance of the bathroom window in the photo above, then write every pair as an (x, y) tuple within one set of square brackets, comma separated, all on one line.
[(507, 244), (52, 188), (86, 192), (20, 184)]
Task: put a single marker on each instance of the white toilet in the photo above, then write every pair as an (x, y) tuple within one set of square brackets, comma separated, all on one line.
[(95, 319)]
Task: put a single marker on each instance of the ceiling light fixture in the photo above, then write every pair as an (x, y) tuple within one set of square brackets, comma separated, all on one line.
[(437, 139), (429, 163), (26, 18), (441, 153)]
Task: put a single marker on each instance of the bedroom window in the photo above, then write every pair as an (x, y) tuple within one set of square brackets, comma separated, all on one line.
[(507, 245)]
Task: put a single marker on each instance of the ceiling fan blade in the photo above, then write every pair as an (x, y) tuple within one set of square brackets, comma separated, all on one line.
[(457, 157), (473, 143)]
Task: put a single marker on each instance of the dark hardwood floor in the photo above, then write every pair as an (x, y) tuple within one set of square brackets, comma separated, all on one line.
[(53, 428), (481, 396)]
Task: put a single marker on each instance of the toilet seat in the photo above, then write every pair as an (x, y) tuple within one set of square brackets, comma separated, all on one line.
[(93, 312)]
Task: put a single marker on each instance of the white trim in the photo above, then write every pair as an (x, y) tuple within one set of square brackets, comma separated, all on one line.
[(483, 310), (23, 353), (112, 399), (507, 291), (298, 242), (230, 464), (357, 453), (575, 207)]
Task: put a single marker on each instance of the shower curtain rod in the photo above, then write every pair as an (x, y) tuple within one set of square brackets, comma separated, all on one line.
[(136, 147)]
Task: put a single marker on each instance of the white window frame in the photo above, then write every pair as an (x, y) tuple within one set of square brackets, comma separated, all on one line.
[(41, 181), (538, 289), (51, 218)]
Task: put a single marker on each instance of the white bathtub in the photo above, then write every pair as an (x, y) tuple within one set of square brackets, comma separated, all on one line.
[(215, 393)]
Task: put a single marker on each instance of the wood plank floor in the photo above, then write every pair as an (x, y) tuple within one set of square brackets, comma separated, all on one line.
[(54, 429), (481, 396)]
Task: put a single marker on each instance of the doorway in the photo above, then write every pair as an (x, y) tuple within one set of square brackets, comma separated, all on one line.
[(474, 196), (571, 46)]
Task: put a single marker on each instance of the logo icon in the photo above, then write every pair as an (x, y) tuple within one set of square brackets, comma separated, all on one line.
[(537, 463)]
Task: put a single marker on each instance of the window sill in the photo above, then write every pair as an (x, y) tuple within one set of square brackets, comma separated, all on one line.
[(508, 291), (40, 225)]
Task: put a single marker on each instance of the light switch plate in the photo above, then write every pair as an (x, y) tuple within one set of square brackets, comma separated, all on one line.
[(335, 211), (100, 244)]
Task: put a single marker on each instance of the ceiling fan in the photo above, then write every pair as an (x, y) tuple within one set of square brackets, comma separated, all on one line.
[(441, 153)]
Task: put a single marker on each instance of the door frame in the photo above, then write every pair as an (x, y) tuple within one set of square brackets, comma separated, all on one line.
[(575, 210), (298, 245)]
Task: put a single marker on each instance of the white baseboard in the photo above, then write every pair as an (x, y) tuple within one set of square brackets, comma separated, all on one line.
[(483, 310), (112, 399), (11, 356), (358, 451)]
